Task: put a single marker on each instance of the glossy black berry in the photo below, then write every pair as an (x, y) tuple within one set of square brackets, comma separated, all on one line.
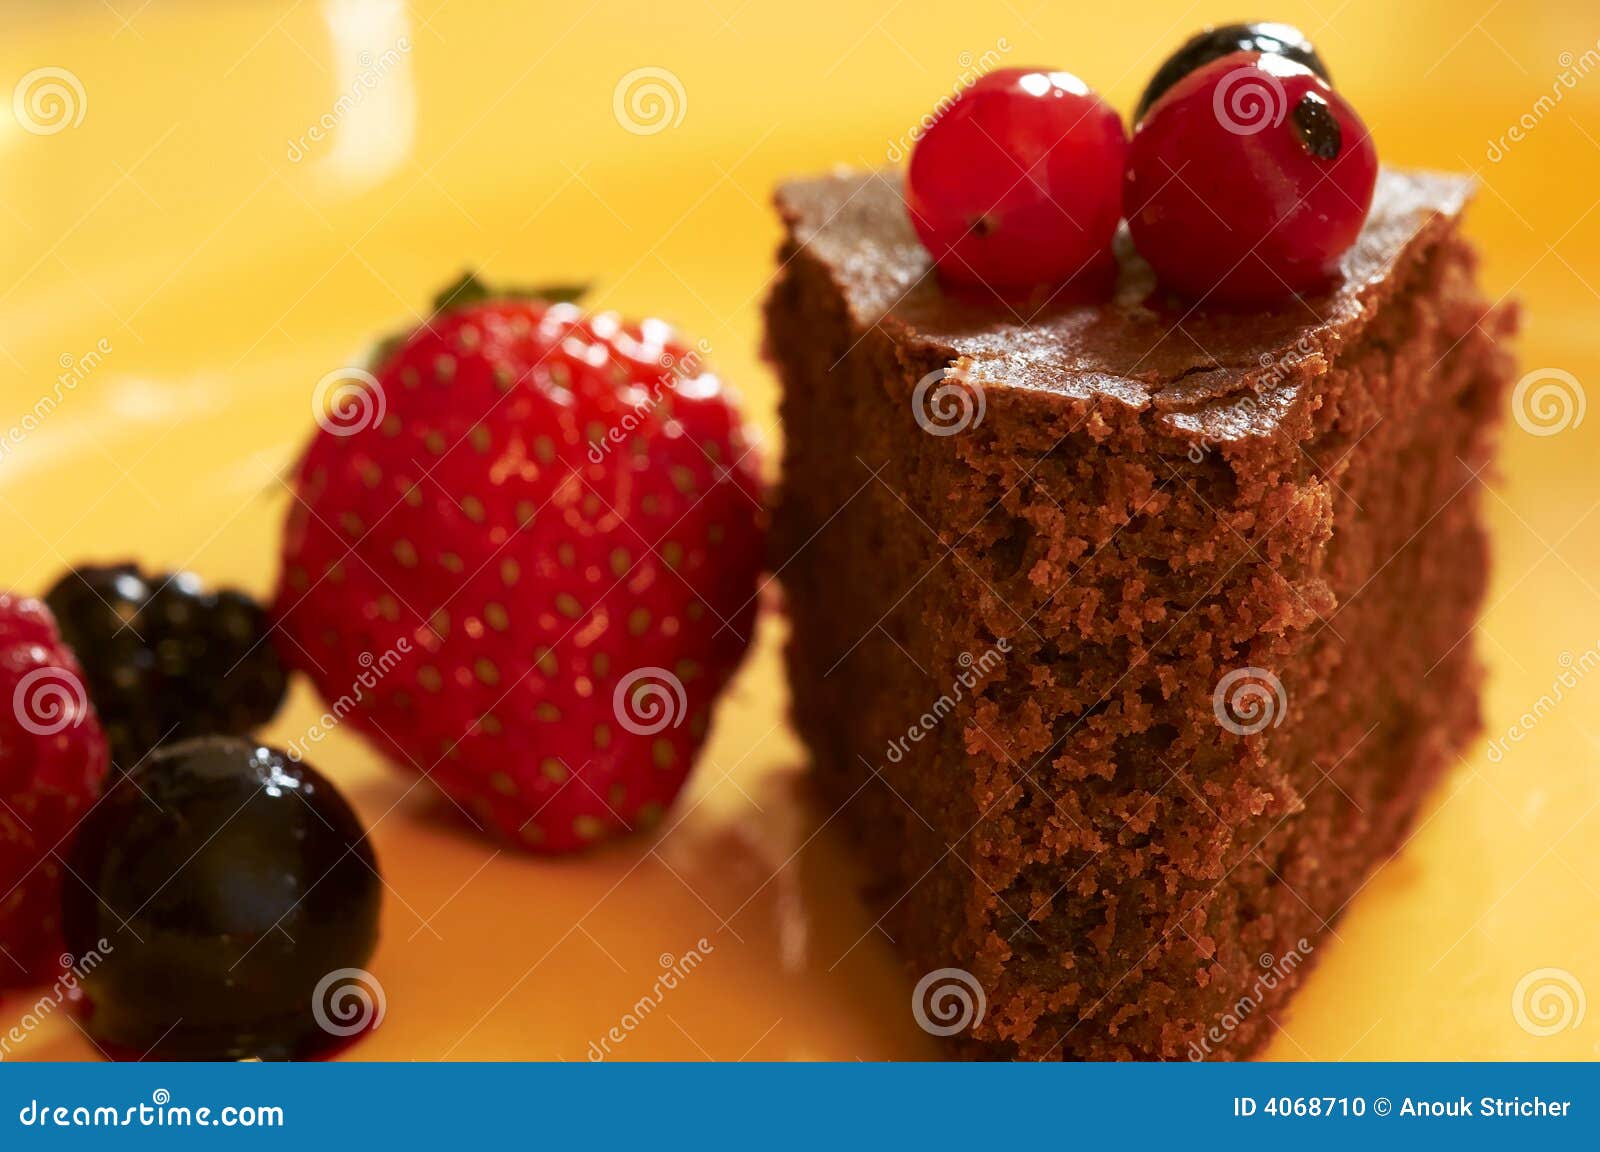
[(1214, 43), (230, 899), (165, 659)]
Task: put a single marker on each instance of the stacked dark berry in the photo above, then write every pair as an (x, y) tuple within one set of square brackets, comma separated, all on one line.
[(1214, 43), (1249, 176), (1246, 180), (166, 659)]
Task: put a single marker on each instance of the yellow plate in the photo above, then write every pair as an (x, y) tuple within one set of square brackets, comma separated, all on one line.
[(208, 206)]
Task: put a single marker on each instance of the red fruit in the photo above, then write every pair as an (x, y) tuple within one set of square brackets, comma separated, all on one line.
[(1248, 180), (52, 759), (530, 529), (1019, 182)]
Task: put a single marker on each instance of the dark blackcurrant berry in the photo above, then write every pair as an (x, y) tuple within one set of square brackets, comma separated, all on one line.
[(165, 659), (1317, 127), (1214, 43), (230, 898)]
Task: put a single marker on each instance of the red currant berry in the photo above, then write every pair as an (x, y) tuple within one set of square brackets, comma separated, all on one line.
[(1248, 180), (1018, 183)]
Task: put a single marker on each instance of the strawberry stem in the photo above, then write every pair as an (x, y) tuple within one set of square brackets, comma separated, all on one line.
[(469, 289), (466, 290)]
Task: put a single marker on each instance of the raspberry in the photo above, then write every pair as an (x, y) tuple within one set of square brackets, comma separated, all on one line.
[(52, 759)]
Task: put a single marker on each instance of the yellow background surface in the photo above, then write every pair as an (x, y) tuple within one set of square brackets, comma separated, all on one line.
[(225, 275)]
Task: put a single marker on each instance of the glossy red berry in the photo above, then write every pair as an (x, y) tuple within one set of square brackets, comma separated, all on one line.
[(1018, 183), (585, 575), (1248, 180), (52, 760)]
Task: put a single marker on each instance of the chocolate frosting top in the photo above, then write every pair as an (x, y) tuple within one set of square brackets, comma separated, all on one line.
[(1141, 346)]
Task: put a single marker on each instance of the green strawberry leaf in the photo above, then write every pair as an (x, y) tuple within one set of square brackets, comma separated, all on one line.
[(469, 289)]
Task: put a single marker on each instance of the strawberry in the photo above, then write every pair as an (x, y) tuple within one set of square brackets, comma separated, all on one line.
[(523, 561), (52, 758)]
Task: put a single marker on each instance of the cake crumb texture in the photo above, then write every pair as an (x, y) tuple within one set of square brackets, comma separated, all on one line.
[(1130, 869)]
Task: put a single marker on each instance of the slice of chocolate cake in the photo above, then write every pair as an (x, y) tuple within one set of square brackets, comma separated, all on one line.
[(1130, 635)]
